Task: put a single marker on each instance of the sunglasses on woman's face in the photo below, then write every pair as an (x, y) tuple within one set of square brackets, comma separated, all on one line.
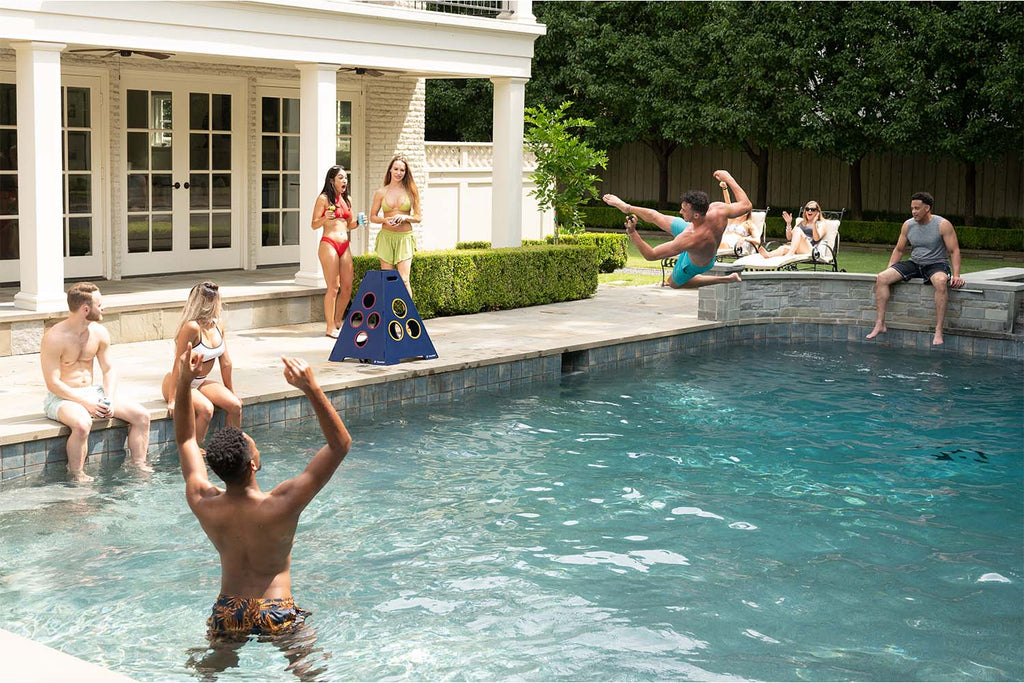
[(811, 209)]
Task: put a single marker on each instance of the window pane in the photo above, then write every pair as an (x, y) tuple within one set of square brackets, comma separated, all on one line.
[(162, 192), (290, 152), (8, 195), (198, 151), (271, 192), (162, 237), (138, 234), (221, 231), (199, 191), (199, 231), (79, 236), (9, 239), (271, 229), (79, 193), (221, 190), (344, 154), (290, 116), (138, 106), (78, 108), (161, 111), (344, 121), (221, 111), (271, 115), (138, 192), (291, 191), (8, 150), (198, 111), (79, 150), (138, 151), (271, 153), (162, 149), (221, 153), (290, 227)]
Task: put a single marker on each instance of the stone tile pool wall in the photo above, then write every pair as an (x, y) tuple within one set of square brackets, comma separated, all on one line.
[(444, 388)]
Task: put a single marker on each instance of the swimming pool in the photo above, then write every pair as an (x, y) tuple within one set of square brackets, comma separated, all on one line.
[(812, 511)]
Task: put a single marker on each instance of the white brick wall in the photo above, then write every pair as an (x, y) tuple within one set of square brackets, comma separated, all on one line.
[(395, 114)]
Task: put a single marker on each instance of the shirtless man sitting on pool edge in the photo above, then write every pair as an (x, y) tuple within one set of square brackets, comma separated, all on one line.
[(697, 234)]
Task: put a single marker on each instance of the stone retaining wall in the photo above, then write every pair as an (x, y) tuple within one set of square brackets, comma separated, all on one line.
[(989, 305)]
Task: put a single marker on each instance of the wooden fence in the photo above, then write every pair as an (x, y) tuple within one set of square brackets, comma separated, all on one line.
[(794, 177)]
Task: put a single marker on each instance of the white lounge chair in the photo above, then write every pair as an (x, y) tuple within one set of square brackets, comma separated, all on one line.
[(823, 255)]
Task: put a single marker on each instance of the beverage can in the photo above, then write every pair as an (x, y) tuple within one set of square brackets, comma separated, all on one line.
[(361, 219)]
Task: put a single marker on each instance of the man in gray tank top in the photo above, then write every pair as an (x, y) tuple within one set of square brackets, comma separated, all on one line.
[(933, 246)]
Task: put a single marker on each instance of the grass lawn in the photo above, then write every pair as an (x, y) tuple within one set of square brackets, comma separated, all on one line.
[(850, 259)]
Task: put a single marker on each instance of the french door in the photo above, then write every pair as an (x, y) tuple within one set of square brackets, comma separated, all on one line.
[(183, 153)]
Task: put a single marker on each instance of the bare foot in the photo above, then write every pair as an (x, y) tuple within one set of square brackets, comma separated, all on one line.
[(937, 340), (141, 466), (79, 476), (762, 251), (735, 277), (880, 328)]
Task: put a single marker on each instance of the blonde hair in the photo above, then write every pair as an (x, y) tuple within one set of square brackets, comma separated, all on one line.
[(821, 211), (203, 305), (407, 182)]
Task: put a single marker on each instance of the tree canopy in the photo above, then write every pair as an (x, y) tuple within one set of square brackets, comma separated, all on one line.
[(840, 78)]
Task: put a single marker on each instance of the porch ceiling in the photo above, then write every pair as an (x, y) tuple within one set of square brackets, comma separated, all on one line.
[(408, 41)]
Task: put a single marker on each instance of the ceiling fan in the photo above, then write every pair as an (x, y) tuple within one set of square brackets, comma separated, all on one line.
[(125, 53), (360, 71)]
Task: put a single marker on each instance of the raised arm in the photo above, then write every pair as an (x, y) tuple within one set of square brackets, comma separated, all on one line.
[(650, 215), (742, 204), (953, 247), (681, 243), (297, 492), (193, 469)]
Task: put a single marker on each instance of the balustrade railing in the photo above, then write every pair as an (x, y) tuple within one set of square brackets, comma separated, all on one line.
[(467, 156)]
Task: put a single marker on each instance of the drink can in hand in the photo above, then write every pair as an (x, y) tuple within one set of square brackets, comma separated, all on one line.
[(361, 219)]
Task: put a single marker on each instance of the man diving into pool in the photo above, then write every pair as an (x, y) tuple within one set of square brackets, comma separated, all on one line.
[(697, 234), (253, 531)]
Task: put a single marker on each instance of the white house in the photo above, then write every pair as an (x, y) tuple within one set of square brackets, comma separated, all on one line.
[(153, 137)]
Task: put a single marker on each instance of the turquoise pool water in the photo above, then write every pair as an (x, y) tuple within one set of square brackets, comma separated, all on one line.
[(808, 512)]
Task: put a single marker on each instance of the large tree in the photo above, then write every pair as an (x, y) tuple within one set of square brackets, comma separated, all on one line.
[(756, 52), (630, 67), (970, 94), (855, 98), (459, 110)]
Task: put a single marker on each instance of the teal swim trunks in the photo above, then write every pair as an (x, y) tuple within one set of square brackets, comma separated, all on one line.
[(685, 269)]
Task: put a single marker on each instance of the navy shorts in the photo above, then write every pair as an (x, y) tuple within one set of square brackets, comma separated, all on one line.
[(909, 269)]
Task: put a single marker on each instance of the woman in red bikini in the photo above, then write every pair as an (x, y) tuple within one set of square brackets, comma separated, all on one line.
[(333, 213)]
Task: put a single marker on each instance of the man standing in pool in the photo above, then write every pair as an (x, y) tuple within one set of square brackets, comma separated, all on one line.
[(253, 531), (697, 234)]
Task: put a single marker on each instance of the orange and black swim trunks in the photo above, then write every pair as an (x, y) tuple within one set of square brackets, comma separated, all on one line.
[(254, 616)]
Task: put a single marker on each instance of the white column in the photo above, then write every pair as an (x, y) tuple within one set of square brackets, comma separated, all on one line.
[(40, 217), (507, 185), (523, 10), (318, 91)]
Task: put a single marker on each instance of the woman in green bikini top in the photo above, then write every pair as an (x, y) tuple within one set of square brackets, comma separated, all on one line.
[(396, 206)]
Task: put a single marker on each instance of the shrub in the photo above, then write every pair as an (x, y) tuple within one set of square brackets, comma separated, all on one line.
[(611, 247), (469, 281), (609, 217), (479, 244), (866, 232)]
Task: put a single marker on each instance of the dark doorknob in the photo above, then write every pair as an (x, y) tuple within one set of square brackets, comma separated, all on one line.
[(186, 186), (176, 185)]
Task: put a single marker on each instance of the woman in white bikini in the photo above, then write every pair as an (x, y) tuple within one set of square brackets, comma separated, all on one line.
[(201, 330), (399, 202)]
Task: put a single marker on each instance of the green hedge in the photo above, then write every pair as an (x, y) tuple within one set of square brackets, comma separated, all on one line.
[(611, 247), (469, 281), (865, 232), (859, 232)]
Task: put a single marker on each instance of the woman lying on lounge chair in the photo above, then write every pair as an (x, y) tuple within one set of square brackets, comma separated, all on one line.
[(740, 230), (804, 237)]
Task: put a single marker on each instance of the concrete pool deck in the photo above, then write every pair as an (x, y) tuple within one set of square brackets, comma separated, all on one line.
[(613, 315)]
